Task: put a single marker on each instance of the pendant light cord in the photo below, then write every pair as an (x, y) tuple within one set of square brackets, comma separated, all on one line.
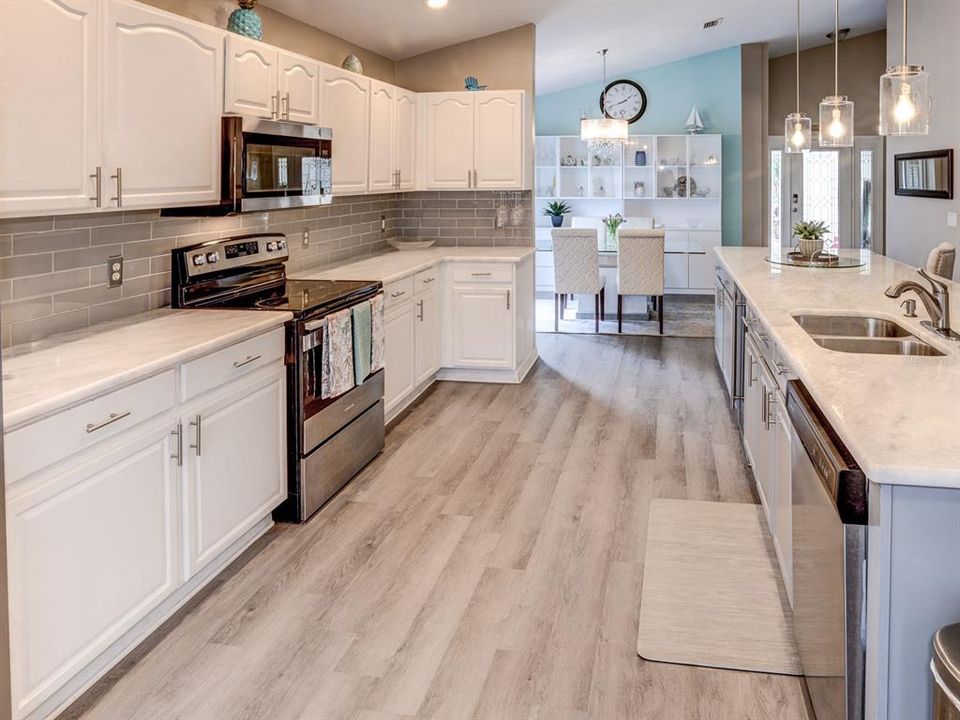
[(836, 47), (798, 57), (904, 32)]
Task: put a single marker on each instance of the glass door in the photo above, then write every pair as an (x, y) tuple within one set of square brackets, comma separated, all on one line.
[(842, 187)]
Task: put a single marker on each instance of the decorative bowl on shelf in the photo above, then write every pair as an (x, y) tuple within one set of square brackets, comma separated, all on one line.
[(414, 244), (693, 222)]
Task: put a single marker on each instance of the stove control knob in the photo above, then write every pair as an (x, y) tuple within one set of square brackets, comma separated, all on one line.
[(281, 244), (212, 257), (271, 246), (199, 260)]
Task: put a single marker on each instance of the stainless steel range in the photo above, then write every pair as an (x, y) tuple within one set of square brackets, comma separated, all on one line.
[(329, 440)]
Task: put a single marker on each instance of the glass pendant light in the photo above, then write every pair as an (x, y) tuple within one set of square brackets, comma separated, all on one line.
[(604, 134), (797, 125), (836, 111), (904, 100)]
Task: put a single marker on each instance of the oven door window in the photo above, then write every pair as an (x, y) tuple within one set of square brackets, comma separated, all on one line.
[(272, 169)]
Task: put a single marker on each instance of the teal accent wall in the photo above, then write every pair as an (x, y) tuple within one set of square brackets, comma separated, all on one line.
[(712, 81)]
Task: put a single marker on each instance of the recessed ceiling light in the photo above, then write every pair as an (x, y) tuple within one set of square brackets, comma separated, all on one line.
[(712, 23), (436, 4)]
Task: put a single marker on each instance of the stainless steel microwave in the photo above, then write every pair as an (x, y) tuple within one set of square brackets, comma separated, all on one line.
[(272, 165)]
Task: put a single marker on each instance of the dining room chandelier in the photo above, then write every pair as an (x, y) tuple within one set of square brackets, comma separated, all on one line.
[(836, 111), (603, 134), (797, 126), (904, 98)]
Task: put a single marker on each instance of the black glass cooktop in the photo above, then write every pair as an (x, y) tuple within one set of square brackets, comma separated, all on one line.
[(306, 296)]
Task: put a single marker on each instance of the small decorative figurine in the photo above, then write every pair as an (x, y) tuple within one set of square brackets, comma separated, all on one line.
[(245, 21), (471, 83), (694, 124), (352, 63)]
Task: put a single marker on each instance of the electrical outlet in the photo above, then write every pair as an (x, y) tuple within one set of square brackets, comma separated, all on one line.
[(951, 219), (306, 238), (114, 271), (383, 223)]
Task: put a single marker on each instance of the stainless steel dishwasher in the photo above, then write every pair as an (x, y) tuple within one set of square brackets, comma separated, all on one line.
[(829, 561)]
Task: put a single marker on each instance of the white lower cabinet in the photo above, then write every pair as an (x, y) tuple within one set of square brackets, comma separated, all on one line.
[(483, 327), (399, 355), (91, 550), (235, 453), (104, 539)]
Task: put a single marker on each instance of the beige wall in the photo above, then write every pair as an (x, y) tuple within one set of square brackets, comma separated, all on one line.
[(285, 32), (503, 61), (753, 113), (862, 61)]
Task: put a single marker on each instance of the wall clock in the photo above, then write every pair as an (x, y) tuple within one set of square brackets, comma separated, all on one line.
[(623, 100)]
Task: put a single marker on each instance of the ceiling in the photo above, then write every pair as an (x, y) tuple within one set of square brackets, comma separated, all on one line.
[(639, 33)]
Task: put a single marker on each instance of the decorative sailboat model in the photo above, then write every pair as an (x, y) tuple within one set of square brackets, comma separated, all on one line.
[(694, 124)]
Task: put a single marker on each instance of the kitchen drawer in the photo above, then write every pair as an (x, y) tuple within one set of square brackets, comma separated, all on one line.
[(482, 272), (210, 371), (397, 292), (52, 439), (426, 280)]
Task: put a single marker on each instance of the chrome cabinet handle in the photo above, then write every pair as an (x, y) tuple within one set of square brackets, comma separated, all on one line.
[(98, 176), (508, 299), (179, 454), (487, 274), (114, 417), (119, 178), (781, 368), (398, 293), (197, 423), (764, 407), (273, 106), (751, 379), (469, 179), (769, 420), (286, 106), (250, 359), (475, 181), (420, 311), (427, 281)]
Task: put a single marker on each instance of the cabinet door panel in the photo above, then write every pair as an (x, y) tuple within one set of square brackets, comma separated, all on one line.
[(498, 140), (49, 104), (399, 355), (300, 89), (483, 330), (346, 109), (91, 551), (383, 164), (783, 495), (427, 334), (251, 78), (675, 270), (407, 139), (718, 322), (164, 89), (238, 473), (449, 137), (702, 263)]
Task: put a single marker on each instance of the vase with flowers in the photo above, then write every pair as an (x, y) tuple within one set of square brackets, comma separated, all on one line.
[(612, 223)]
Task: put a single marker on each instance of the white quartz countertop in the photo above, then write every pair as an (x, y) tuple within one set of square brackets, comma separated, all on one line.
[(898, 415), (44, 377), (397, 264)]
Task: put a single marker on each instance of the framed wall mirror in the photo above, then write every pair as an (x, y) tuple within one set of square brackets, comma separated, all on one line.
[(924, 174)]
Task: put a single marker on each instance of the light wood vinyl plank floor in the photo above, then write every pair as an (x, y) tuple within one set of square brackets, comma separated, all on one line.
[(488, 565)]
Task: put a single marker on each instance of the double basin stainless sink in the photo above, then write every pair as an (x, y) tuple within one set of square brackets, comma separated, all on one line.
[(853, 334)]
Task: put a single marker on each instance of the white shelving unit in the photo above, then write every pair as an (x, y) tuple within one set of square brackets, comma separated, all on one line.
[(675, 179)]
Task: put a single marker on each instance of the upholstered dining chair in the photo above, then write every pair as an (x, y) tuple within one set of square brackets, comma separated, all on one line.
[(941, 259), (640, 268), (576, 263)]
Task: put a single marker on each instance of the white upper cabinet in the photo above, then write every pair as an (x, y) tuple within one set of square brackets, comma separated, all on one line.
[(49, 103), (163, 83), (299, 89), (251, 80), (498, 140), (383, 137), (345, 101), (474, 140), (449, 140), (406, 143)]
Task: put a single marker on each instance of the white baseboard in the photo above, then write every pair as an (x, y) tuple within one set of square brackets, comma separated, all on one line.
[(507, 377), (119, 649)]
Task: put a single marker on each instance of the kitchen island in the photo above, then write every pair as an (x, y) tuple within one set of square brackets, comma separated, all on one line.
[(899, 417)]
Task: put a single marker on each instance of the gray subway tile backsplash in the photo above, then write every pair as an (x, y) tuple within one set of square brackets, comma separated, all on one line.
[(53, 275)]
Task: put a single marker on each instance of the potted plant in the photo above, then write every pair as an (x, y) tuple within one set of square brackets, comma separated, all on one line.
[(809, 235), (555, 211), (613, 223)]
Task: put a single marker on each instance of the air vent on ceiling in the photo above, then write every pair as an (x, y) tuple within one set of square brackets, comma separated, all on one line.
[(712, 23)]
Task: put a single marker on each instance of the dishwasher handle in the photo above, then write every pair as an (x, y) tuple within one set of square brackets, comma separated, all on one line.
[(839, 473)]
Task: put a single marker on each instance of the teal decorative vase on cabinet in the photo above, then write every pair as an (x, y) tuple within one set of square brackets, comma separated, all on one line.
[(245, 21)]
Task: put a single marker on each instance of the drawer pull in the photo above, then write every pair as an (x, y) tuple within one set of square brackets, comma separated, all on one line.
[(250, 359), (781, 368), (114, 417), (197, 423), (398, 293), (427, 281), (179, 434), (486, 274)]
